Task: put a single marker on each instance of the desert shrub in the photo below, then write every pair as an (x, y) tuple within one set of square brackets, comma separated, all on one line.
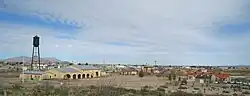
[(224, 87), (181, 93), (160, 89), (62, 91), (141, 74), (49, 90), (182, 87), (147, 87), (158, 75), (92, 87), (196, 88), (245, 92), (235, 94), (144, 91), (176, 83), (17, 90), (163, 86), (224, 91)]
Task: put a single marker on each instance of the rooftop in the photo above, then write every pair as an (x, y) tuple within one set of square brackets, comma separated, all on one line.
[(85, 67), (65, 70), (34, 72)]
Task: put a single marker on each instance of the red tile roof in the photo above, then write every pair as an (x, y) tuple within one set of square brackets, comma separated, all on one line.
[(222, 76)]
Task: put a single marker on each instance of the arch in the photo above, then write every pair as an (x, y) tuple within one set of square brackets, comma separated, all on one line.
[(97, 74), (74, 76), (83, 76), (91, 76), (67, 76), (87, 75), (79, 76)]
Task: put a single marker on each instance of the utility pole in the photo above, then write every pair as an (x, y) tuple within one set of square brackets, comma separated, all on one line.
[(23, 70), (103, 61), (155, 63)]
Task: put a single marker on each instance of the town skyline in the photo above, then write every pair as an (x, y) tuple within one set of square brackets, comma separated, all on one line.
[(168, 32)]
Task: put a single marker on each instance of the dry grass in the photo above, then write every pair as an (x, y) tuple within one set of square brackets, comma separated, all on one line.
[(130, 81), (134, 82)]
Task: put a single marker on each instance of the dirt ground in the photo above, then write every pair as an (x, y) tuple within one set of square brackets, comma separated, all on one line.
[(129, 81), (134, 82)]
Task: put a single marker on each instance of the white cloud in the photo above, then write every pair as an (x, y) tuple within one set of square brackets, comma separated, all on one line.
[(169, 31)]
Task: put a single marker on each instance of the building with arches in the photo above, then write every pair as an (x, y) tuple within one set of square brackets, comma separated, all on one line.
[(74, 72)]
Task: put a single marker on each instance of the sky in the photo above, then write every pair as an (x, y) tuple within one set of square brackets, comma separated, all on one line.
[(171, 32)]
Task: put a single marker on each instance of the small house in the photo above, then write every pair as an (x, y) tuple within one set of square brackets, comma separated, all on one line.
[(32, 75), (221, 77), (128, 71)]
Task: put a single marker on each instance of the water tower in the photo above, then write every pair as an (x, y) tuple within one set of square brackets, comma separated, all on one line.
[(35, 58)]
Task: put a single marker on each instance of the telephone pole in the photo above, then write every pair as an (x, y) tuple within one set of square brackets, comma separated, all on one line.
[(155, 63)]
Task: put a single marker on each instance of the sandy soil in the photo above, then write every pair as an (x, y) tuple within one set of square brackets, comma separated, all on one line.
[(120, 81), (134, 82)]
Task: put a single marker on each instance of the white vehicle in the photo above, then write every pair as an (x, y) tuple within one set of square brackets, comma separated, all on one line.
[(245, 83), (238, 82)]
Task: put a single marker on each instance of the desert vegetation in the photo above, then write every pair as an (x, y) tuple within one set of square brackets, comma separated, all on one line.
[(63, 90)]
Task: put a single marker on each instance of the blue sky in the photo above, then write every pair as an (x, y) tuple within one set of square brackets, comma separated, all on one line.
[(136, 32)]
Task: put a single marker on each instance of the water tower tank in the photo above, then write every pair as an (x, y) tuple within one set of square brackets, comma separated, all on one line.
[(36, 41)]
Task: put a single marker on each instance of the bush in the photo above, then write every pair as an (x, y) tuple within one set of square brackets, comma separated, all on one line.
[(141, 74), (235, 94), (163, 86), (245, 92), (196, 88), (49, 90), (225, 91), (160, 89), (182, 87), (147, 87)]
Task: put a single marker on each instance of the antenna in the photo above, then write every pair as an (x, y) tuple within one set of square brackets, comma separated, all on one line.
[(23, 70), (103, 61), (155, 63)]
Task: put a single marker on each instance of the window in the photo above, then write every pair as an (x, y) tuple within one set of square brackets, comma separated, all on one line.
[(87, 75), (83, 76), (97, 74), (55, 75)]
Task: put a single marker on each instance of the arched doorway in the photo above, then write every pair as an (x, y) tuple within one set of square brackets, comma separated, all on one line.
[(83, 76), (79, 76), (74, 76), (97, 74), (87, 75), (67, 76)]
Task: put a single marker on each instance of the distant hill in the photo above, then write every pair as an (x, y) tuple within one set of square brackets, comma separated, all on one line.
[(28, 59)]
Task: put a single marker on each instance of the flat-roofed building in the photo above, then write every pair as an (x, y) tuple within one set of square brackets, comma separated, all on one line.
[(129, 71), (32, 75)]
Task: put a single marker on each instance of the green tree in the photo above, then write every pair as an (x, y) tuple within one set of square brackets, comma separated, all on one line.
[(87, 63)]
